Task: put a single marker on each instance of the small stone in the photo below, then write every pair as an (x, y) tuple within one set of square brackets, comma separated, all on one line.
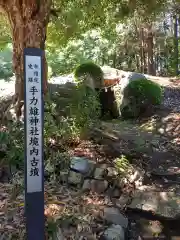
[(82, 165), (112, 172), (75, 178), (86, 184), (114, 232), (113, 215), (99, 173), (99, 186)]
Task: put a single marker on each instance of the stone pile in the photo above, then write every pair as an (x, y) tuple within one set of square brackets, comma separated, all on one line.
[(99, 178), (105, 179), (90, 176)]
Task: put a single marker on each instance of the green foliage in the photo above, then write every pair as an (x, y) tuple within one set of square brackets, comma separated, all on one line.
[(11, 144), (113, 47), (89, 69), (6, 63), (59, 132), (141, 94), (90, 45), (145, 90), (85, 107), (52, 228), (5, 32), (122, 164)]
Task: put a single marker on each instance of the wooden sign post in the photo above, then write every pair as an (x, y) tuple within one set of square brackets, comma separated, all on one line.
[(34, 159)]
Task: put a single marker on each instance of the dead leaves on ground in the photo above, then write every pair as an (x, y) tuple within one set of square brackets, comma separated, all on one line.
[(67, 212)]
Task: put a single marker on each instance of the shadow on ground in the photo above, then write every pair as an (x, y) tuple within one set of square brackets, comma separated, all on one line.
[(155, 138)]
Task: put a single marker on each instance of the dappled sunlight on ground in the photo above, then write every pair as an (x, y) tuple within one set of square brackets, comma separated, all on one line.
[(166, 204), (72, 210)]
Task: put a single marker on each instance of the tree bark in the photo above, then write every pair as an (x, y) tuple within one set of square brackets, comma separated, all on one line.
[(176, 51), (150, 50), (142, 50), (137, 58), (28, 20), (114, 60)]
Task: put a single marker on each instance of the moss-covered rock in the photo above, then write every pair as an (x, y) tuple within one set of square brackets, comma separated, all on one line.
[(90, 73), (127, 77), (138, 96)]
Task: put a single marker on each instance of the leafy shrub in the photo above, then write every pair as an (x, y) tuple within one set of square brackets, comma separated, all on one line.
[(85, 107), (141, 95), (122, 164), (11, 144), (91, 69), (59, 133), (6, 64)]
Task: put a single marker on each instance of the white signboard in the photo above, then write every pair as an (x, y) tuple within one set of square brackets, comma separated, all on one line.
[(33, 123)]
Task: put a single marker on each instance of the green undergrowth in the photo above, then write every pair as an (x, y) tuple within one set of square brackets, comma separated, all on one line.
[(122, 164), (141, 95), (60, 133)]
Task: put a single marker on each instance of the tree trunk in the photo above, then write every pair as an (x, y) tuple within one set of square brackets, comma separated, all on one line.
[(137, 58), (142, 50), (176, 52), (28, 20), (150, 52), (114, 60)]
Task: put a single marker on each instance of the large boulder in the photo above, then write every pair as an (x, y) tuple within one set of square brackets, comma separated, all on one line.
[(114, 99), (89, 73), (132, 96), (127, 77), (112, 87), (62, 95), (139, 97), (96, 77), (124, 77)]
